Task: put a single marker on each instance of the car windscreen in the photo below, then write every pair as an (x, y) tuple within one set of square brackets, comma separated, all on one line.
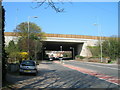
[(28, 63)]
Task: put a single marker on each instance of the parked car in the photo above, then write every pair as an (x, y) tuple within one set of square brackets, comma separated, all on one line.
[(28, 66)]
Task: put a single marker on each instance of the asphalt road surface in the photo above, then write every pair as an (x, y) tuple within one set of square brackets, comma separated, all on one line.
[(107, 69), (53, 75)]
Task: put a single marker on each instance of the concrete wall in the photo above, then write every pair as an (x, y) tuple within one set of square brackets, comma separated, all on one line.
[(79, 48), (9, 38), (85, 52)]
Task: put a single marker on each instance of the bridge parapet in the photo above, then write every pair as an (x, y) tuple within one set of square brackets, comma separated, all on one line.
[(61, 36), (74, 36)]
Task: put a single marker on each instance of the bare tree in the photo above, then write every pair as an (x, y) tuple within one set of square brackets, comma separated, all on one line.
[(49, 3)]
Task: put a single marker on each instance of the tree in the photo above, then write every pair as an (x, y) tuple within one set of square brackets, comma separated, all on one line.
[(12, 47), (31, 40), (34, 30), (12, 51), (111, 48), (51, 3)]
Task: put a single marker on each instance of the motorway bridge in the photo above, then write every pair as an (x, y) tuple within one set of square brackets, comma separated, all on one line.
[(77, 44)]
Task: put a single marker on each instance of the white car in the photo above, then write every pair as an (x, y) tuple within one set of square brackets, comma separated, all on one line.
[(28, 66)]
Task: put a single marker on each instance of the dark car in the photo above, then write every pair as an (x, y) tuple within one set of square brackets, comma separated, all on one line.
[(28, 66)]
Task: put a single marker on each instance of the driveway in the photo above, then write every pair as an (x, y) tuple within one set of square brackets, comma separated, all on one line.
[(55, 75)]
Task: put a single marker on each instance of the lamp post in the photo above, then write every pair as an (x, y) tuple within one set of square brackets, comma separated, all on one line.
[(29, 33), (99, 29)]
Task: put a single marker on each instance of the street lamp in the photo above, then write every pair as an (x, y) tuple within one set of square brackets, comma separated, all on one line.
[(99, 29), (29, 32)]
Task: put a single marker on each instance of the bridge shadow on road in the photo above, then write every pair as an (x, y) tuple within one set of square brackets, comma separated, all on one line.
[(53, 75)]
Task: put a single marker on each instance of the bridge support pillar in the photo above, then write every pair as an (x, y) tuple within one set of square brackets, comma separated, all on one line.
[(79, 48), (83, 50)]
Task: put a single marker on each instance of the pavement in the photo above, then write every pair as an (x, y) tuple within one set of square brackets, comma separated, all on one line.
[(57, 75)]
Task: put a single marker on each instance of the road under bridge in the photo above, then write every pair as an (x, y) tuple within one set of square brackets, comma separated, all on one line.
[(63, 46)]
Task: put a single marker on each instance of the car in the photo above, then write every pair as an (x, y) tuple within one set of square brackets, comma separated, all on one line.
[(28, 66)]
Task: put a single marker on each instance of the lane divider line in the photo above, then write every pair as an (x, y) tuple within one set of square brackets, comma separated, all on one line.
[(92, 73)]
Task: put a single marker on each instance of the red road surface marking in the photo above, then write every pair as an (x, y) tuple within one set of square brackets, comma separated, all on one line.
[(93, 73)]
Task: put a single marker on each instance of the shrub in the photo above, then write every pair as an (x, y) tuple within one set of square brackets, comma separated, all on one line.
[(80, 57)]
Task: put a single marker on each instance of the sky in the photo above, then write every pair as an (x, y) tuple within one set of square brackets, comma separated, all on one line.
[(78, 18)]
